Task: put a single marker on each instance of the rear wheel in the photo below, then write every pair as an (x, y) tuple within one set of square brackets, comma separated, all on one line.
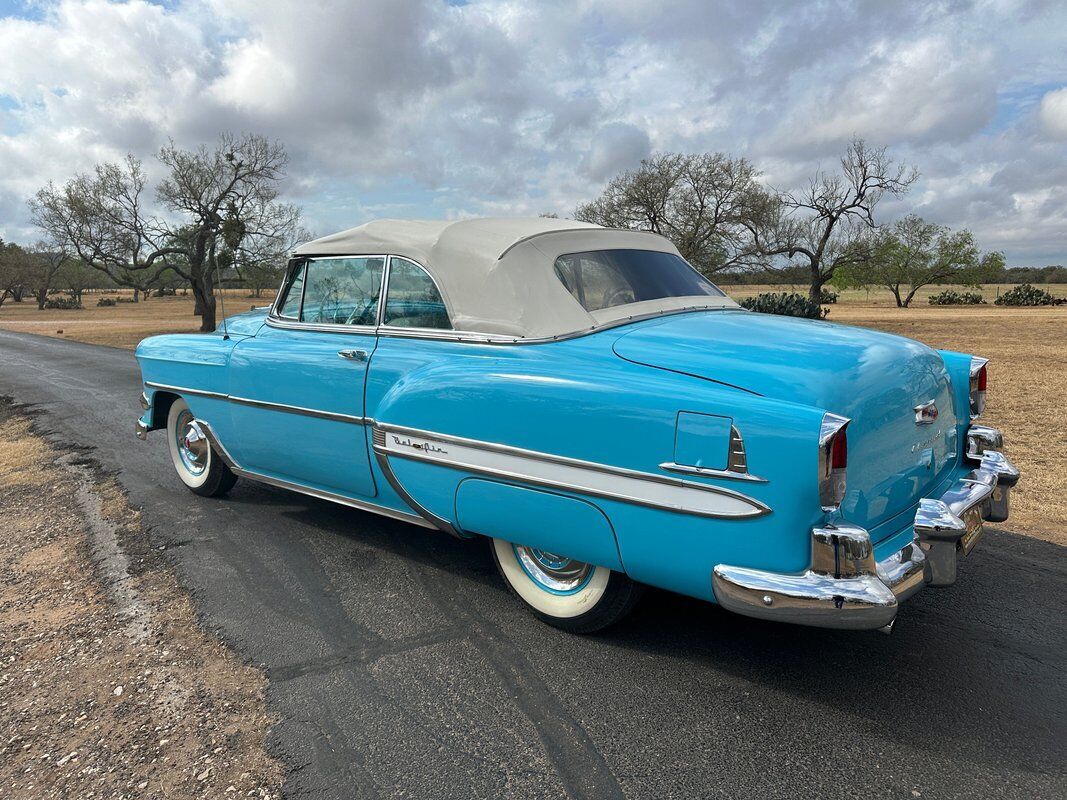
[(195, 461), (569, 594)]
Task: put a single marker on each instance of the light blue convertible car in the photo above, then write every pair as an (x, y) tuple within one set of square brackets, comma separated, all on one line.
[(602, 413)]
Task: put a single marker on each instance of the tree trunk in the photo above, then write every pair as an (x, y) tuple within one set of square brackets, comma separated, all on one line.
[(136, 295), (818, 280), (205, 304), (896, 295), (17, 292), (207, 319), (910, 297), (42, 298)]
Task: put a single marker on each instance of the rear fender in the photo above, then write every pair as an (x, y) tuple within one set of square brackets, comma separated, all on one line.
[(567, 399)]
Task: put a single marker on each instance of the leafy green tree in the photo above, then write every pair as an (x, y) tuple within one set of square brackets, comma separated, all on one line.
[(16, 271), (914, 253)]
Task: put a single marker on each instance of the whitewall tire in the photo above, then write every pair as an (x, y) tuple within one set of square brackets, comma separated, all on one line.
[(569, 594), (196, 463)]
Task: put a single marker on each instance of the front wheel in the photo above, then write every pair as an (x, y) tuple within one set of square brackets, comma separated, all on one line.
[(568, 594), (194, 460)]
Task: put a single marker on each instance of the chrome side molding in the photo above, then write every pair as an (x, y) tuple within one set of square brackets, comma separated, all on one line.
[(321, 494), (564, 473), (378, 438), (736, 463), (265, 404), (704, 472)]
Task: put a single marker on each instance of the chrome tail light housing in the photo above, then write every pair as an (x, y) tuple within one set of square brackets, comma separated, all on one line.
[(978, 385), (833, 461)]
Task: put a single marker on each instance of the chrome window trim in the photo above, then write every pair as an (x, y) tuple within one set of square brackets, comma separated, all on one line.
[(385, 297), (275, 308), (757, 508), (321, 494), (478, 337), (289, 322), (265, 404)]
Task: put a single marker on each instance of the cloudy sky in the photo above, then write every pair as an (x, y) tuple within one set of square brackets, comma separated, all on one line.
[(426, 108)]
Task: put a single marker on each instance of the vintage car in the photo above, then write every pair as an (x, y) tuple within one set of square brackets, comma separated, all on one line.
[(602, 413)]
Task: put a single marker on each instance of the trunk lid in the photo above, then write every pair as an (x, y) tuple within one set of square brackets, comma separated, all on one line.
[(875, 379)]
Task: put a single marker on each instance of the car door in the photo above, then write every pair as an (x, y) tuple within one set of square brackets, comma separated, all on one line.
[(297, 387)]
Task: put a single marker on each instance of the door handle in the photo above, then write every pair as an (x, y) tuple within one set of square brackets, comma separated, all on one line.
[(353, 355)]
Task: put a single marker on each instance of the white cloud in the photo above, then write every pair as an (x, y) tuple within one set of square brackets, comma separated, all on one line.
[(1053, 113), (418, 107)]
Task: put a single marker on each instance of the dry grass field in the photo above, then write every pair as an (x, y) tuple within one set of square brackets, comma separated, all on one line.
[(1027, 348), (122, 325)]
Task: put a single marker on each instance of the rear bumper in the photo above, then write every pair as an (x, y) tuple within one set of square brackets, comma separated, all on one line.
[(846, 588)]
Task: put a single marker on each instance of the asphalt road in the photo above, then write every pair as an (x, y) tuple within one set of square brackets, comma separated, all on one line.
[(399, 665)]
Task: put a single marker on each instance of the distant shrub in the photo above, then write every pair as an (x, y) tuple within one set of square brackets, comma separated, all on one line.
[(786, 305), (107, 301), (950, 297), (826, 297), (1027, 295), (163, 291), (125, 300), (65, 303)]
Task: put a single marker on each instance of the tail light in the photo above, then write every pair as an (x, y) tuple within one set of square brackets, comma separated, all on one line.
[(833, 461), (978, 384)]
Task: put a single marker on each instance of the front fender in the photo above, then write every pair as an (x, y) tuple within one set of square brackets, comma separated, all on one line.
[(193, 366)]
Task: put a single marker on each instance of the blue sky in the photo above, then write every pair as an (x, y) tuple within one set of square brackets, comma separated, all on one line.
[(426, 108)]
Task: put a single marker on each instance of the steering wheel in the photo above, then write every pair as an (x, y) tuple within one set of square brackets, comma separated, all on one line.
[(359, 312), (616, 293)]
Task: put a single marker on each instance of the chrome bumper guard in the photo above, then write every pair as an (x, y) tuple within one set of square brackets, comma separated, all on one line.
[(139, 427), (846, 588)]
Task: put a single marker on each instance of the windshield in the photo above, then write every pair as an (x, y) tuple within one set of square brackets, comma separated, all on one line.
[(606, 278)]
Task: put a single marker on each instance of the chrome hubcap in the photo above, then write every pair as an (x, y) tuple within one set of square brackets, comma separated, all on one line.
[(192, 444), (552, 572)]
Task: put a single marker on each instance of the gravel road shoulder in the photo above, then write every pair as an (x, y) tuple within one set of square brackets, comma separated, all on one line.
[(108, 687)]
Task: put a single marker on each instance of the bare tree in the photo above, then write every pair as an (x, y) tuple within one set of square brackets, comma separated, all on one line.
[(100, 218), (698, 201), (914, 253), (229, 189), (826, 225)]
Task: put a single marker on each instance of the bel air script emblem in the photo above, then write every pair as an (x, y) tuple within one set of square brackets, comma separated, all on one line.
[(426, 447), (926, 413)]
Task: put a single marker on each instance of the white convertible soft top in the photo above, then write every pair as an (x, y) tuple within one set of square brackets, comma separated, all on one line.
[(497, 276)]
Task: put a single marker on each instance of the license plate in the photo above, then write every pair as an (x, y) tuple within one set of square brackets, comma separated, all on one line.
[(973, 520)]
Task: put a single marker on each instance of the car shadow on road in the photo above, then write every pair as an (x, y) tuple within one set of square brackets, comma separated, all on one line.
[(989, 651)]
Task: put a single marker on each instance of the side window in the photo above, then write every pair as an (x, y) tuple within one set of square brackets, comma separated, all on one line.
[(342, 291), (294, 293), (413, 300)]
